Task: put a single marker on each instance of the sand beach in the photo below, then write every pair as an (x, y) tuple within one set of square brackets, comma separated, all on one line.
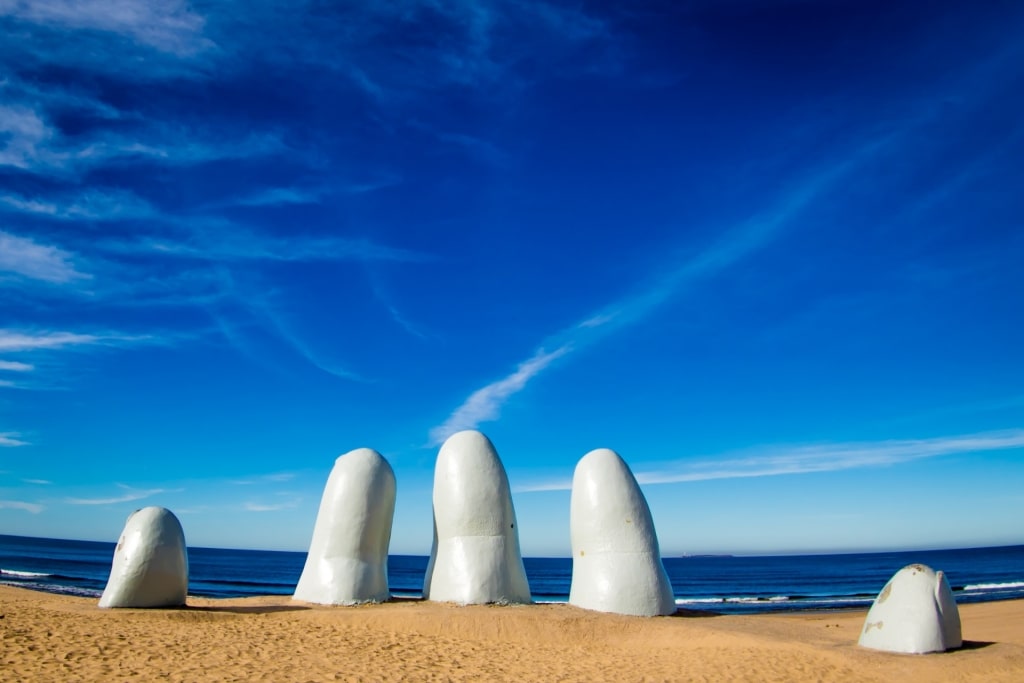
[(47, 637)]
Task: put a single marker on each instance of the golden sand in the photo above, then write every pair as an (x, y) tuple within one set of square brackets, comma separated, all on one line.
[(47, 637)]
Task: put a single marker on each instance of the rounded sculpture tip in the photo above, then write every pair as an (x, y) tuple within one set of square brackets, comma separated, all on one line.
[(915, 613), (347, 563), (616, 561), (475, 556), (150, 565)]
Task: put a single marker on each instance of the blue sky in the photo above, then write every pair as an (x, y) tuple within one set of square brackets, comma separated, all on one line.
[(770, 252)]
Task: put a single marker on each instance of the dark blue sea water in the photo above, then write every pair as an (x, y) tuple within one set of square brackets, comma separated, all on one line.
[(719, 584)]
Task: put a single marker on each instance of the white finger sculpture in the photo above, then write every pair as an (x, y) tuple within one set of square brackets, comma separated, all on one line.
[(347, 562), (616, 562), (915, 613), (150, 567), (475, 558)]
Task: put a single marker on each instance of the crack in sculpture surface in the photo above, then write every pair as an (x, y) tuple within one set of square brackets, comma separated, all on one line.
[(347, 562), (475, 557), (150, 565)]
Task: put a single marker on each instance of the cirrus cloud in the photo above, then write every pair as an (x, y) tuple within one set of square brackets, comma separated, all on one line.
[(26, 258)]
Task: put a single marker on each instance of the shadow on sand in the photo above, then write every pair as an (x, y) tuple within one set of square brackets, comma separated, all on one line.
[(694, 613)]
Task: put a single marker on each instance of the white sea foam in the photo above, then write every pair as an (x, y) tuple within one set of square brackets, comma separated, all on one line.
[(24, 575), (993, 586), (839, 601), (692, 601), (51, 588), (73, 590), (776, 599)]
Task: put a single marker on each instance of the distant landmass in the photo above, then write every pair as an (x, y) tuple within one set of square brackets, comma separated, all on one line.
[(689, 556)]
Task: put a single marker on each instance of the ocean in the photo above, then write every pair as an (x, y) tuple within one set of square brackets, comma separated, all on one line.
[(722, 584)]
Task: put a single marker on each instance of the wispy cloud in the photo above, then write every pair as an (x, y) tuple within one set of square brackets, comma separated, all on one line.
[(367, 84), (482, 149), (474, 146), (129, 495), (11, 440), (14, 340), (235, 243), (278, 196), (493, 45), (69, 97), (805, 459), (484, 404), (397, 316), (738, 243), (483, 55), (404, 323), (22, 130), (29, 259), (385, 181), (168, 26), (91, 205), (597, 320), (29, 141), (331, 367), (298, 195), (54, 348), (275, 317), (272, 507), (275, 477), (34, 508), (1004, 403), (194, 510), (38, 482)]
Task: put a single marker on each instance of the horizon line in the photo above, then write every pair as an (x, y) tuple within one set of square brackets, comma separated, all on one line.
[(792, 552)]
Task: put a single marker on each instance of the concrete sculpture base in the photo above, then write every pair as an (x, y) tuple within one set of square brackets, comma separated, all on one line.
[(616, 562), (347, 562), (150, 567), (915, 613), (475, 558)]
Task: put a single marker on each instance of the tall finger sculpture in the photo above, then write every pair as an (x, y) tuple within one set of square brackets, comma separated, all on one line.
[(475, 557), (616, 562), (347, 562)]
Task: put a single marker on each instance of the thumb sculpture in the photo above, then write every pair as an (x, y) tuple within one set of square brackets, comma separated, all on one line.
[(150, 567), (347, 562), (616, 562), (475, 558), (915, 613)]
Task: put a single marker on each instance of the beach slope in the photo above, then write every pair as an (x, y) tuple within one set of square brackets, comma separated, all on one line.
[(55, 637)]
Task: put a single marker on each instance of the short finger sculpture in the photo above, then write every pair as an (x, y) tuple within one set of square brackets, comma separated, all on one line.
[(347, 562), (475, 558), (616, 562), (150, 567), (915, 613)]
